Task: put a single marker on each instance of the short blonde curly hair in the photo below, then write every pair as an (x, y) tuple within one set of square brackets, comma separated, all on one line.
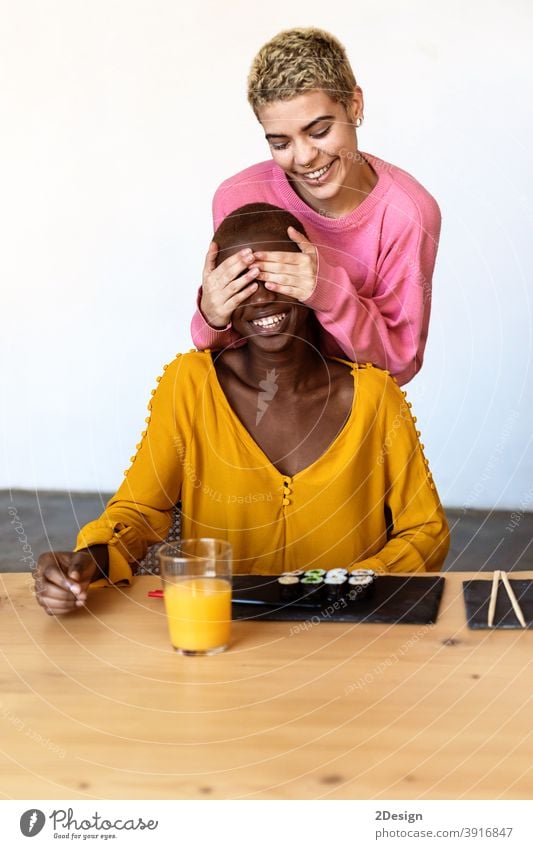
[(300, 60)]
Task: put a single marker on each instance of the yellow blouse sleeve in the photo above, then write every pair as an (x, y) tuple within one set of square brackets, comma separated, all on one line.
[(418, 538), (140, 513)]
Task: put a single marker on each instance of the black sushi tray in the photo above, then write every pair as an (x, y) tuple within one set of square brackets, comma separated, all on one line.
[(413, 600)]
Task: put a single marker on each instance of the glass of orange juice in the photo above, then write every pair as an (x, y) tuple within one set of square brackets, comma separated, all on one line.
[(196, 577)]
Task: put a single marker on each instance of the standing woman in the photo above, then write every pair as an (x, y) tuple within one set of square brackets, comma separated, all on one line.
[(373, 230)]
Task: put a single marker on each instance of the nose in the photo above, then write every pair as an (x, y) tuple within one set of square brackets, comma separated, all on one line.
[(304, 154), (260, 296)]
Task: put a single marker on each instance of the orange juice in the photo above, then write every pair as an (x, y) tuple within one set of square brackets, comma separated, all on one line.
[(198, 613)]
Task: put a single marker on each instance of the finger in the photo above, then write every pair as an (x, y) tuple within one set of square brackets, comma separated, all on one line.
[(54, 609), (239, 283), (82, 574), (304, 244), (52, 592), (240, 297), (82, 587), (53, 574), (280, 268), (281, 280), (285, 257), (233, 266), (211, 257), (46, 592), (81, 563), (295, 292), (228, 270), (58, 611)]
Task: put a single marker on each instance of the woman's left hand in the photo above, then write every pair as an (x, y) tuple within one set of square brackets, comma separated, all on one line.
[(287, 272)]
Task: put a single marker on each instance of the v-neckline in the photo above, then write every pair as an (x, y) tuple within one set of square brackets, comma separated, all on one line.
[(255, 445)]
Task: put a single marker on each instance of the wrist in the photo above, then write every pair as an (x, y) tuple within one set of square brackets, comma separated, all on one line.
[(100, 557), (213, 321)]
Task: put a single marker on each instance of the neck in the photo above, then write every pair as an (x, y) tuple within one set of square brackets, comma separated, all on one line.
[(298, 364)]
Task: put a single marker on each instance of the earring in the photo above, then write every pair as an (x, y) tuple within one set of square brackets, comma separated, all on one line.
[(359, 121)]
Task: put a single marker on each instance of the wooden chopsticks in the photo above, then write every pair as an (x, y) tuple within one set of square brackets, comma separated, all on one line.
[(512, 598)]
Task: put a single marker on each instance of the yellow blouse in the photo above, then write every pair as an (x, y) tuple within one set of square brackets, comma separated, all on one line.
[(333, 513)]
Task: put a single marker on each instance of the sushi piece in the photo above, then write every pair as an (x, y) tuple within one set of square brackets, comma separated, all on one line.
[(331, 572), (361, 586), (319, 572), (335, 586), (288, 587), (310, 584)]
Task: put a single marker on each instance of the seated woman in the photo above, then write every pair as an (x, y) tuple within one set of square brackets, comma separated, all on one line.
[(298, 460)]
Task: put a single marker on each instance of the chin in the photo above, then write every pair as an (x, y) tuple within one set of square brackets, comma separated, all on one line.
[(325, 192), (272, 344)]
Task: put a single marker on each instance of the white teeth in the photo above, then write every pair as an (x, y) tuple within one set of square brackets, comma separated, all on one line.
[(315, 175), (269, 320)]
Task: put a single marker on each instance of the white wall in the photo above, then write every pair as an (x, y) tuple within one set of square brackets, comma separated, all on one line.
[(119, 120)]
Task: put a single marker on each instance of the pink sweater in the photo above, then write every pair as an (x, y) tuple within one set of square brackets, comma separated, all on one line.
[(373, 288)]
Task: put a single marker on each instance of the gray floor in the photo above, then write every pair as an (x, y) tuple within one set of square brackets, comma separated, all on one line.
[(32, 522)]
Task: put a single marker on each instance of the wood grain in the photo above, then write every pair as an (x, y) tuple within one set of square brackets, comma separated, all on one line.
[(97, 705)]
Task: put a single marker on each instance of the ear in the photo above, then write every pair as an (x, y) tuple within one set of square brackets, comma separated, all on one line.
[(356, 107)]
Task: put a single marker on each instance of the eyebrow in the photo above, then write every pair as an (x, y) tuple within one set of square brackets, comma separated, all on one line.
[(304, 129)]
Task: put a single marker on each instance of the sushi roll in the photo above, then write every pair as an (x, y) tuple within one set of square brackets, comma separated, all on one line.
[(297, 572), (334, 585), (311, 583), (331, 572), (315, 572), (288, 587), (312, 580), (361, 585)]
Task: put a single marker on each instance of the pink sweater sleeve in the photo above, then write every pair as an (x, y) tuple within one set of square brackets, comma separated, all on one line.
[(203, 335), (389, 328)]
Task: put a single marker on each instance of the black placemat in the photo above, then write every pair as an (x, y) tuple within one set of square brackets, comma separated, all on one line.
[(409, 600), (477, 599)]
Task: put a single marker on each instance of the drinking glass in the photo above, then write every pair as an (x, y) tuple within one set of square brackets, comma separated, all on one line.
[(196, 576)]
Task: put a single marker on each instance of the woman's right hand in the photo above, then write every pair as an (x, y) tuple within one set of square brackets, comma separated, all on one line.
[(223, 290), (62, 580)]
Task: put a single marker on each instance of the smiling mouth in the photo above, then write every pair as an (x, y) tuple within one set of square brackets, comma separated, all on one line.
[(319, 173), (269, 321)]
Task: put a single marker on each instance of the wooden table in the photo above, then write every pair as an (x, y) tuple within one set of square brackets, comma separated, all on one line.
[(97, 705)]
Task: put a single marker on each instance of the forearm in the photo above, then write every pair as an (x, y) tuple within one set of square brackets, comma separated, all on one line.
[(417, 530), (388, 330), (421, 549)]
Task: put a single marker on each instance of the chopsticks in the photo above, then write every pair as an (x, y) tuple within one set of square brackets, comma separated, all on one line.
[(512, 598)]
